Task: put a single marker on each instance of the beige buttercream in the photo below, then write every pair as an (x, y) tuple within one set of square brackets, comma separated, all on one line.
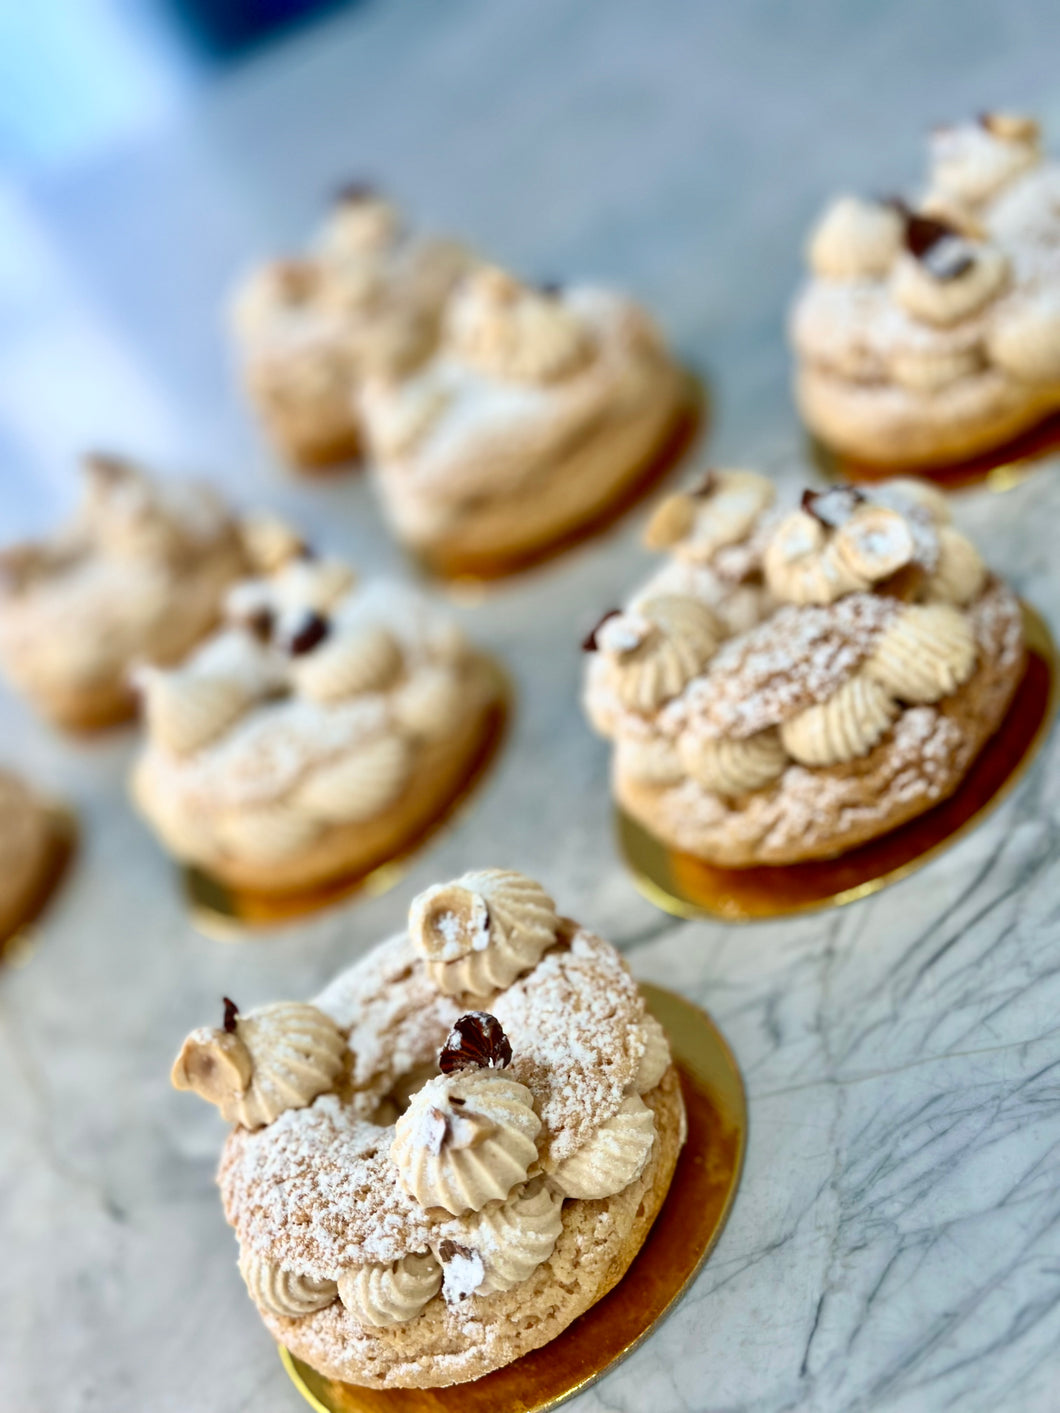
[(510, 331), (656, 1058), (185, 711), (392, 1293), (429, 704), (514, 1237), (842, 728), (732, 767), (972, 162), (855, 239), (266, 833), (940, 300), (960, 573), (613, 1157), (926, 652), (482, 931), (460, 1155), (283, 1292), (359, 784), (278, 1057), (363, 658), (1026, 341), (656, 650)]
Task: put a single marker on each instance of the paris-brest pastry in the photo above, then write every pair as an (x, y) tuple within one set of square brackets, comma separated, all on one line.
[(136, 576), (455, 1150), (793, 683), (929, 330), (365, 298), (540, 407), (322, 728)]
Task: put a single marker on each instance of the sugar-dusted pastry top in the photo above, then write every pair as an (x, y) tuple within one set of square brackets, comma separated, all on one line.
[(366, 297), (857, 610), (434, 1146), (81, 605), (962, 284), (307, 709), (519, 371)]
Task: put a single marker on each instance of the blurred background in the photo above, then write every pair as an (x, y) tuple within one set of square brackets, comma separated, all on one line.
[(149, 149)]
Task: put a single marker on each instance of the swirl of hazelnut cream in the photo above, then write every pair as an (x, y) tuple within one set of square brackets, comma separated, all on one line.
[(514, 1237), (944, 276), (429, 704), (185, 711), (855, 240), (267, 833), (959, 571), (359, 784), (697, 524), (1026, 342), (842, 728), (652, 759), (655, 1059), (924, 654), (480, 932), (732, 767), (655, 650), (512, 332), (272, 1059), (615, 1155), (972, 162), (393, 1293), (466, 1139), (928, 370), (282, 1292), (364, 657)]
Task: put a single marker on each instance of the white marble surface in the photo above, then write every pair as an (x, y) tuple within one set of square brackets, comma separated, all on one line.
[(896, 1242)]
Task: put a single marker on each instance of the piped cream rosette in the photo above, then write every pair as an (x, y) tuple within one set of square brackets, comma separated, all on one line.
[(311, 709), (453, 1186), (936, 325), (871, 608)]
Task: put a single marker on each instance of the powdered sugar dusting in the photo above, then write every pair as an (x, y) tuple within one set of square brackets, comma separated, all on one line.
[(798, 657)]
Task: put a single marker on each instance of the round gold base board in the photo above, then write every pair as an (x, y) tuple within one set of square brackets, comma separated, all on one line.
[(685, 1231), (17, 945), (230, 914), (467, 576), (687, 886), (998, 469)]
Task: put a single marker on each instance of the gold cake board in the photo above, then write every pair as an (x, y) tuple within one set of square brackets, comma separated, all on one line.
[(998, 469), (687, 886), (230, 914), (685, 1231)]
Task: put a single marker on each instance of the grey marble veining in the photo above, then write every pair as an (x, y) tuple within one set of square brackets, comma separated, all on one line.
[(896, 1241)]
